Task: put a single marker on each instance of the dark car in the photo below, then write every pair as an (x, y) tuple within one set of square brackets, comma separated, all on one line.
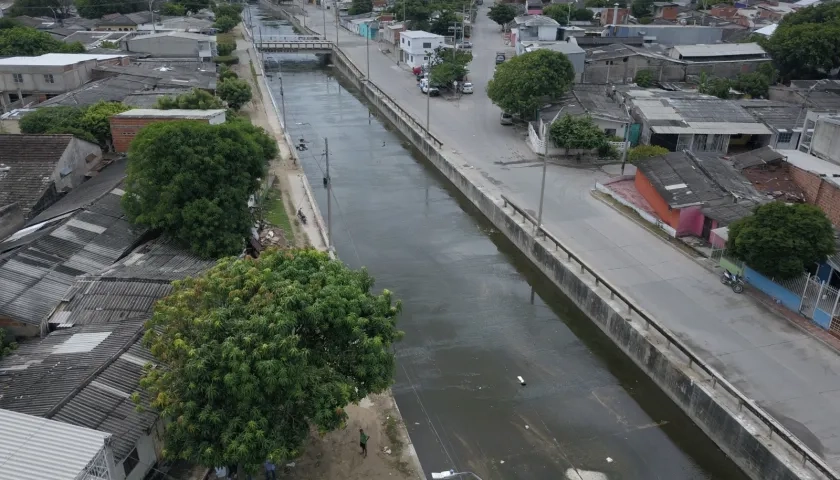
[(500, 57)]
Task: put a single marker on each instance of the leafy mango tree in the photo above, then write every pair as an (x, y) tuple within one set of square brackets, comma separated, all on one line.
[(527, 82), (259, 351), (782, 241)]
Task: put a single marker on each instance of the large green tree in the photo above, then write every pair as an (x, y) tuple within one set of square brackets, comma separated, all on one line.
[(526, 82), (193, 180), (41, 8), (447, 23), (259, 351), (235, 92), (99, 8), (225, 24), (806, 43), (578, 132), (196, 99), (96, 119), (57, 120), (641, 8), (564, 12), (448, 65), (755, 84), (192, 6), (25, 41), (502, 13), (358, 7), (782, 241)]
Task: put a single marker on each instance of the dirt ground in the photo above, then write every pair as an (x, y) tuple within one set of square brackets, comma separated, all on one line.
[(335, 456)]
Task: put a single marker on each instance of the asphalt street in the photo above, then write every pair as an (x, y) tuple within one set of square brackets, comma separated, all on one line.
[(471, 328), (792, 375)]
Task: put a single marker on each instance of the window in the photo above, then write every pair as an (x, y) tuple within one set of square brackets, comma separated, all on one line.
[(610, 132), (130, 462), (17, 77), (427, 44), (784, 137), (49, 78), (409, 43)]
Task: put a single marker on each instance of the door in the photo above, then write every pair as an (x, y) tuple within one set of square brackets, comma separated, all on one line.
[(707, 228)]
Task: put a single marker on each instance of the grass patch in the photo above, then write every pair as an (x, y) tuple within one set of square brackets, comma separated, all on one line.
[(276, 214), (254, 75), (392, 431), (225, 38)]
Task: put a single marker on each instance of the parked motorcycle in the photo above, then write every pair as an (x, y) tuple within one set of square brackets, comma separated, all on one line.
[(733, 280)]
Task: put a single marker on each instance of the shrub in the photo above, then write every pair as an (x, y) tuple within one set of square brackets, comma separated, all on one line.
[(226, 60)]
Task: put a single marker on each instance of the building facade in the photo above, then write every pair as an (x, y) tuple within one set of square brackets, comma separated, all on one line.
[(126, 125), (31, 80), (417, 46), (174, 44)]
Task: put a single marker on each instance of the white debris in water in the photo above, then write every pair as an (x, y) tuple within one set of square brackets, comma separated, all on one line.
[(527, 427), (577, 474), (609, 460), (521, 380), (501, 461)]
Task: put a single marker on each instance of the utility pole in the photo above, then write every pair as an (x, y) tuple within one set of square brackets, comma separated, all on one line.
[(626, 139), (544, 169), (324, 14), (428, 103), (152, 13), (367, 51), (335, 7), (328, 183)]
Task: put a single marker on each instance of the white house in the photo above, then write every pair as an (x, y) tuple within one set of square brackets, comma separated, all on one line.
[(416, 46)]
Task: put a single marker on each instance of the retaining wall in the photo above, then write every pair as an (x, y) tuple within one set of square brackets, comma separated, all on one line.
[(726, 419)]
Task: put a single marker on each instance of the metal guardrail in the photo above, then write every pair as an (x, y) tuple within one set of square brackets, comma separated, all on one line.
[(288, 38), (294, 47), (773, 426)]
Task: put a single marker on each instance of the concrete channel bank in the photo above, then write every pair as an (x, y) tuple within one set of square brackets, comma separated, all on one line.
[(763, 448)]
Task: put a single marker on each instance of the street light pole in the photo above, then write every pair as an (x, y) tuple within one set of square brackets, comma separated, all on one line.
[(367, 52), (542, 185), (324, 14), (328, 181), (428, 104)]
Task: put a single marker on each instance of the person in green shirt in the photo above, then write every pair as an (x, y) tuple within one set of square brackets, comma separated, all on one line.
[(363, 442)]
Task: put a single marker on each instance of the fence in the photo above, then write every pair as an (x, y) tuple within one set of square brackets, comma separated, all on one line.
[(806, 294), (717, 380)]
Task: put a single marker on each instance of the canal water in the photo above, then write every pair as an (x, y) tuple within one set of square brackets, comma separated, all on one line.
[(471, 327)]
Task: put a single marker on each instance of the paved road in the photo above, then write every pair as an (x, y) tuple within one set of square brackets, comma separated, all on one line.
[(471, 327), (792, 375)]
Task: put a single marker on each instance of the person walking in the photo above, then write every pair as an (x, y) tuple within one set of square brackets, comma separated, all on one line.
[(363, 439), (270, 470)]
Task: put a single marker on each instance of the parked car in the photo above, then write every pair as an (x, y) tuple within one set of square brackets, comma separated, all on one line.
[(464, 45), (500, 57), (506, 119), (430, 91), (466, 87)]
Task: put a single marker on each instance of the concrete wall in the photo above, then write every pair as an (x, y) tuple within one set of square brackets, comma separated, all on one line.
[(660, 206), (621, 72), (826, 140), (819, 192), (79, 157), (148, 457), (713, 411)]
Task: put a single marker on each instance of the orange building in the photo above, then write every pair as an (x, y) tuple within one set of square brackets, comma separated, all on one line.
[(126, 125)]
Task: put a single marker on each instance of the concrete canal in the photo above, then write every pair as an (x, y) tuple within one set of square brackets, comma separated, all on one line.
[(471, 327)]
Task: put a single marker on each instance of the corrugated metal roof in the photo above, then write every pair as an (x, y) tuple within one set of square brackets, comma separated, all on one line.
[(90, 387), (34, 278), (34, 447)]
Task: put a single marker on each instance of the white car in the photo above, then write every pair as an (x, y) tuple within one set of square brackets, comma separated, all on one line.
[(466, 87)]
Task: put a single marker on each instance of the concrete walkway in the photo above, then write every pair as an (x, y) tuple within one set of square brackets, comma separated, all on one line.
[(791, 374)]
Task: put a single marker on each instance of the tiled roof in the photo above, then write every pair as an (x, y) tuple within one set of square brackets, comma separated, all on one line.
[(83, 376), (118, 20), (34, 278), (27, 163)]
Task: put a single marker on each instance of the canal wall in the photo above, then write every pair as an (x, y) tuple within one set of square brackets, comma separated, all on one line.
[(762, 447)]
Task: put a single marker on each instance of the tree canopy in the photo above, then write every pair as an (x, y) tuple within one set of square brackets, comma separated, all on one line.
[(235, 92), (173, 9), (526, 82), (25, 41), (41, 8), (444, 23), (448, 65), (753, 84), (258, 351), (502, 13), (197, 99), (719, 87), (806, 42), (578, 132), (98, 8), (193, 180), (192, 6), (644, 78), (415, 12), (782, 241), (563, 12), (645, 151), (6, 347), (358, 7), (225, 24), (603, 4), (88, 123), (641, 8)]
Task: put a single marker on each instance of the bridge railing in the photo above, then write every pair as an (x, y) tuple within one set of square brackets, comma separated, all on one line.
[(717, 380), (287, 38)]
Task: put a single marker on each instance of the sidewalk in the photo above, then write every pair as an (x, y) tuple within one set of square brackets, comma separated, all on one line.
[(792, 375)]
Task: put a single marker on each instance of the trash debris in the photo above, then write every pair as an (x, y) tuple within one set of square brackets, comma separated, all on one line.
[(527, 427), (273, 236), (609, 460), (501, 461), (290, 464), (521, 381), (417, 423), (387, 450)]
